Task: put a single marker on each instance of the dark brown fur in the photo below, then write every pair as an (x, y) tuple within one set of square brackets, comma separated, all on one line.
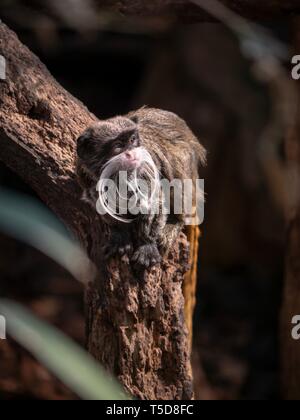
[(177, 154)]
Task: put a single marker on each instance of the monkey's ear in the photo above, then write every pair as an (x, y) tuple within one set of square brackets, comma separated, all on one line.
[(84, 146), (135, 119)]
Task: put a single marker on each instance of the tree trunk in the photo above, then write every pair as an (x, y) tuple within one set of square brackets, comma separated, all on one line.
[(135, 326)]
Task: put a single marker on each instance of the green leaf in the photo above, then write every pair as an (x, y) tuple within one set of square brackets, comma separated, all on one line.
[(28, 221), (71, 364)]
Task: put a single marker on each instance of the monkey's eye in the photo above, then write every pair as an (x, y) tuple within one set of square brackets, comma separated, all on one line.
[(133, 139)]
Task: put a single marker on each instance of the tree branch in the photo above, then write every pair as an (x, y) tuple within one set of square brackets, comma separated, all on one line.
[(135, 326), (185, 10)]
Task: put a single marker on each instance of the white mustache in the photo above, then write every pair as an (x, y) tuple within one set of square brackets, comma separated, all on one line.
[(147, 171)]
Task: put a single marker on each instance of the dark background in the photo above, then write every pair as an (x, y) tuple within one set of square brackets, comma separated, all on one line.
[(199, 72)]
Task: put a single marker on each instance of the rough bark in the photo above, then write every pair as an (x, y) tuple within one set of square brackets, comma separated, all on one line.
[(135, 326), (185, 10), (290, 348), (148, 350)]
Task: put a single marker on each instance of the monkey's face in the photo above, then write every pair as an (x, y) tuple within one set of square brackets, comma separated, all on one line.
[(110, 149), (117, 139)]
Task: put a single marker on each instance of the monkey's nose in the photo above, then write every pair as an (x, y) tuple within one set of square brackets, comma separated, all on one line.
[(130, 155)]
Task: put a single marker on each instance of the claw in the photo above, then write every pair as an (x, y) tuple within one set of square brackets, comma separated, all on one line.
[(147, 256)]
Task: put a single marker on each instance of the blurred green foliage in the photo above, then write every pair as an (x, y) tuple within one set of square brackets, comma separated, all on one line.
[(28, 221)]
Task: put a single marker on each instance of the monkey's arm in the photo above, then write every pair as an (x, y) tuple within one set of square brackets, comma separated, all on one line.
[(147, 231), (118, 241), (156, 236)]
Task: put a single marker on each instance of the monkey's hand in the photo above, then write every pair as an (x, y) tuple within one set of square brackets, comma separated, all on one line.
[(117, 245), (146, 256)]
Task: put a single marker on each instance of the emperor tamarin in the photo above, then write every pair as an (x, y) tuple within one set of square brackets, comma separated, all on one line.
[(148, 144)]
